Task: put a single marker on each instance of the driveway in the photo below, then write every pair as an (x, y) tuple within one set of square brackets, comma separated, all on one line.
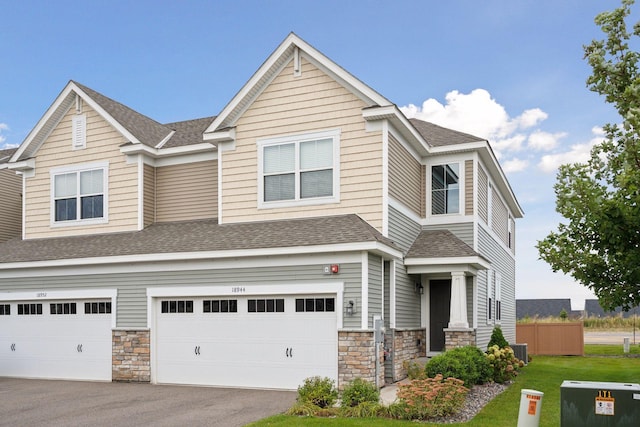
[(74, 403)]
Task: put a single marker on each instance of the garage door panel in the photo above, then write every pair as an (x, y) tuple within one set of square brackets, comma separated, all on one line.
[(245, 349)]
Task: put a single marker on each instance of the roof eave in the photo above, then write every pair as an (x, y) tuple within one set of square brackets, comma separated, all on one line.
[(393, 114), (470, 264)]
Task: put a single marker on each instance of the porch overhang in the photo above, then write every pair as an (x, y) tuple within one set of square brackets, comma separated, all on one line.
[(469, 265)]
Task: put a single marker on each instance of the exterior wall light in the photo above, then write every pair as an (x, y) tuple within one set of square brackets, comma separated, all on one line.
[(419, 288), (351, 308)]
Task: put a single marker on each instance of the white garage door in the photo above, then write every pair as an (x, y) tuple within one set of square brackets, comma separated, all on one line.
[(64, 339), (262, 342)]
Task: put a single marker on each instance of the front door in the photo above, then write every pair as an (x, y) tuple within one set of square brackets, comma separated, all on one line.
[(439, 306)]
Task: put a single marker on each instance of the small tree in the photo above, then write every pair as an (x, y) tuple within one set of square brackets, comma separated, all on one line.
[(497, 338), (563, 314)]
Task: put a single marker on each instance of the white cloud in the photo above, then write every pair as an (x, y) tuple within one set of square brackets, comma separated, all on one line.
[(3, 126), (514, 165), (544, 141), (578, 153), (479, 114)]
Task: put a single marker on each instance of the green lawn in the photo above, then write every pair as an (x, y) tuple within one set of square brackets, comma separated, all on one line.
[(544, 373)]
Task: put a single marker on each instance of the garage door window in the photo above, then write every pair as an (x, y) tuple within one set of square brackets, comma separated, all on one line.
[(220, 306), (29, 309), (5, 309), (265, 305), (97, 308), (63, 308), (315, 305), (177, 306)]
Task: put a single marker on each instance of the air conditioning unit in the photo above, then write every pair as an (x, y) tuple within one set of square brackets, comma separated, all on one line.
[(520, 351)]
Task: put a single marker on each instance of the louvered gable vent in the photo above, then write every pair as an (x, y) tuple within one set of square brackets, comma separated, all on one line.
[(79, 131)]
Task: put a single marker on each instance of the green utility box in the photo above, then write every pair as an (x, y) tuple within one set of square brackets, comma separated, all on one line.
[(596, 404)]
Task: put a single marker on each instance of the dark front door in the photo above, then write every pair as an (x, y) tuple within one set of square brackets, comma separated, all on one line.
[(439, 305)]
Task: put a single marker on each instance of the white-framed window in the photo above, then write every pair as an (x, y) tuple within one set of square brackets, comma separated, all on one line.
[(445, 189), (299, 169), (79, 131), (498, 296), (490, 296), (79, 194)]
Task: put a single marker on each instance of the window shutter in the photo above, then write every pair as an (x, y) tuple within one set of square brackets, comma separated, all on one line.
[(79, 125)]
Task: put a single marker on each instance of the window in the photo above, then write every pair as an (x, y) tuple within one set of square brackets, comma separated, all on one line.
[(315, 304), (79, 194), (265, 305), (490, 299), (63, 308), (97, 308), (177, 306), (498, 296), (445, 189), (220, 306), (29, 309), (301, 169), (5, 309)]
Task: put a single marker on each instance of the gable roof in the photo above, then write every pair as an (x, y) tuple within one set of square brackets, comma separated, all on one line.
[(6, 154), (206, 237), (438, 136), (439, 244), (542, 307), (283, 55), (187, 132)]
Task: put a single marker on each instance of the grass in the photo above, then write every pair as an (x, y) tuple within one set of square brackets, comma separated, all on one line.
[(544, 373), (610, 350)]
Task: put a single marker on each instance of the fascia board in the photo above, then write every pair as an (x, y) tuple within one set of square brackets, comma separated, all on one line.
[(400, 123), (157, 153), (186, 256), (221, 135), (478, 261), (22, 166)]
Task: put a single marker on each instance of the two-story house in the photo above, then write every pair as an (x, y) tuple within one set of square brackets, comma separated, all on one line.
[(309, 228)]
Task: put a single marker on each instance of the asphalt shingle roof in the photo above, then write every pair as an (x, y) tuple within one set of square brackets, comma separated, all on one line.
[(197, 236), (439, 244), (542, 307), (6, 154), (438, 136), (187, 132)]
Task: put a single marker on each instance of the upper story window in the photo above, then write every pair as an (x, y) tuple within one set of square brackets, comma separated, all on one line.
[(445, 189), (79, 194), (298, 170)]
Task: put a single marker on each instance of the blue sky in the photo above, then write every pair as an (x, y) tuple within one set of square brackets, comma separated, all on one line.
[(510, 71)]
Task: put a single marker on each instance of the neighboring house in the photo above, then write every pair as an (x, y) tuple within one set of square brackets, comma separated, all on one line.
[(543, 308), (308, 229), (10, 199), (592, 308)]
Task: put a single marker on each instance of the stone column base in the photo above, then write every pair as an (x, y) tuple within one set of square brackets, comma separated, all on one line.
[(459, 337), (131, 355), (357, 358)]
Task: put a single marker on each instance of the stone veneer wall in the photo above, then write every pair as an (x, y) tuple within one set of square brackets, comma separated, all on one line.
[(131, 355), (357, 358), (406, 345), (454, 338)]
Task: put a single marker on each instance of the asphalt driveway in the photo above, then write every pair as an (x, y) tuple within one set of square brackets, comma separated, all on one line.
[(75, 403)]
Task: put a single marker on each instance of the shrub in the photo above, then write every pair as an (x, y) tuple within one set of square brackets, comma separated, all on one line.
[(428, 398), (468, 364), (504, 364), (415, 370), (318, 391), (497, 338), (359, 391)]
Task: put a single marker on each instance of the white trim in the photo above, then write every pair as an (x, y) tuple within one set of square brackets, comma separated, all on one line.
[(364, 294), (210, 256), (385, 178), (24, 207), (474, 280), (166, 139), (382, 287), (297, 139), (140, 193), (77, 169), (392, 293), (404, 210), (399, 122), (79, 294)]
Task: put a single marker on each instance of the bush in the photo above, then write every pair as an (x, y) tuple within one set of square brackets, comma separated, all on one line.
[(318, 391), (429, 398), (468, 364), (364, 410), (504, 364), (497, 338), (415, 370), (359, 391)]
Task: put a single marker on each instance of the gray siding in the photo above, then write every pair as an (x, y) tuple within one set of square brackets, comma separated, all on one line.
[(463, 230), (402, 230), (375, 287), (406, 178), (501, 262), (10, 205), (132, 298)]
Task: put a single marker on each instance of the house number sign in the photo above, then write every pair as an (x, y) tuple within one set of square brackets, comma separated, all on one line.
[(238, 290), (41, 295)]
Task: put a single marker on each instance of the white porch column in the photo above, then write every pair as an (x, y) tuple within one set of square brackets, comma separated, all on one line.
[(458, 313)]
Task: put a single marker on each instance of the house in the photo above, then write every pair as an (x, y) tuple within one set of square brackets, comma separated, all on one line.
[(592, 308), (309, 228), (10, 199), (543, 307)]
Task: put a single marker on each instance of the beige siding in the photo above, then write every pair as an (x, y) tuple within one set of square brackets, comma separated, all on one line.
[(149, 195), (468, 187), (405, 177), (10, 205), (103, 143), (483, 195), (291, 105), (499, 217), (187, 192)]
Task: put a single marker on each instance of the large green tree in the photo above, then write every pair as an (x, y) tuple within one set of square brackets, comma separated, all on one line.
[(599, 244)]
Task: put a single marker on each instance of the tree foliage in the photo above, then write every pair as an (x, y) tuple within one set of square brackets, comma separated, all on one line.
[(600, 244)]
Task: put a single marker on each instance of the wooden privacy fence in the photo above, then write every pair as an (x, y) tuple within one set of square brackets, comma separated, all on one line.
[(557, 339)]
